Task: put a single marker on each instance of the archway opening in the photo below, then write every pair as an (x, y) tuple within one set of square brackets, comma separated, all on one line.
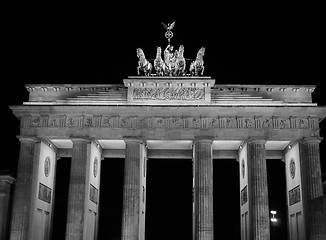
[(61, 198), (111, 199), (277, 198), (226, 184), (169, 199)]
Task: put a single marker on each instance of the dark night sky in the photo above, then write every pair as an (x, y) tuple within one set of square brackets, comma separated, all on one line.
[(247, 44)]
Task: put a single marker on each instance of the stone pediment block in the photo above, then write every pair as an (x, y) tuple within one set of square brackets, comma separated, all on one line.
[(169, 90)]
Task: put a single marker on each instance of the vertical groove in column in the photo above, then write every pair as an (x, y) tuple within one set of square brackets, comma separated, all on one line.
[(312, 158), (23, 190), (258, 190), (77, 190), (204, 226), (131, 191), (316, 214)]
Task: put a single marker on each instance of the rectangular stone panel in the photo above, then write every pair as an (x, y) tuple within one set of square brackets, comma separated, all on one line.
[(44, 193), (93, 194), (294, 195), (244, 196)]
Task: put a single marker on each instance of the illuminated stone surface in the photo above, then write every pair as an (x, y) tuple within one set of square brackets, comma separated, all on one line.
[(176, 112)]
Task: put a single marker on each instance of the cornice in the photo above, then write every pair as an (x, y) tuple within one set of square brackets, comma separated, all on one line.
[(21, 110), (70, 87)]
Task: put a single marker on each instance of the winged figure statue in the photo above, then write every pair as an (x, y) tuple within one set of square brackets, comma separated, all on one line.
[(168, 27)]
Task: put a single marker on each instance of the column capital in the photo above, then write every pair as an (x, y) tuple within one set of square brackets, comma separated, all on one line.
[(311, 140), (23, 138), (129, 139), (80, 139), (201, 139), (256, 141)]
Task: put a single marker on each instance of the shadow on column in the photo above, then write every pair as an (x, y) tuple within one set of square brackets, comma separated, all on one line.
[(111, 198), (226, 199), (61, 198), (169, 199)]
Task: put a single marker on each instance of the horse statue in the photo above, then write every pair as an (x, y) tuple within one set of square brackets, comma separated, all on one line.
[(197, 66), (159, 64), (143, 64), (180, 62)]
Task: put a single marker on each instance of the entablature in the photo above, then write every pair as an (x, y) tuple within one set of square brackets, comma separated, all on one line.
[(169, 91)]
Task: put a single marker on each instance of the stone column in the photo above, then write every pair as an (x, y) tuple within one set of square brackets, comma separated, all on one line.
[(203, 171), (131, 190), (309, 149), (258, 191), (313, 188), (77, 189), (6, 183), (23, 193)]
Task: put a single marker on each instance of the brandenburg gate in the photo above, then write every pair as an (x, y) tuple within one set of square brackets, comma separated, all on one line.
[(89, 122), (169, 114)]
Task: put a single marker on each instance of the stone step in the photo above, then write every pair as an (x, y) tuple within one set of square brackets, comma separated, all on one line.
[(256, 102), (97, 100), (103, 96), (235, 97), (230, 93), (86, 102), (243, 100), (107, 93)]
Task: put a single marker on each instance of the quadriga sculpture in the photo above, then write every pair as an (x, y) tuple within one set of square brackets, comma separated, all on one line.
[(144, 65), (197, 67)]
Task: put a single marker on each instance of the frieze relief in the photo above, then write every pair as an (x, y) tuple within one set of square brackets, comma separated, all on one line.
[(159, 122), (109, 121), (179, 94), (177, 123), (75, 121), (57, 121), (267, 123), (248, 123), (184, 122)]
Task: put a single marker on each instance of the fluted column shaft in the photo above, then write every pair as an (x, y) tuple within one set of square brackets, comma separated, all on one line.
[(131, 190), (258, 191), (311, 164), (313, 188), (204, 219), (27, 168), (77, 189), (6, 183)]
